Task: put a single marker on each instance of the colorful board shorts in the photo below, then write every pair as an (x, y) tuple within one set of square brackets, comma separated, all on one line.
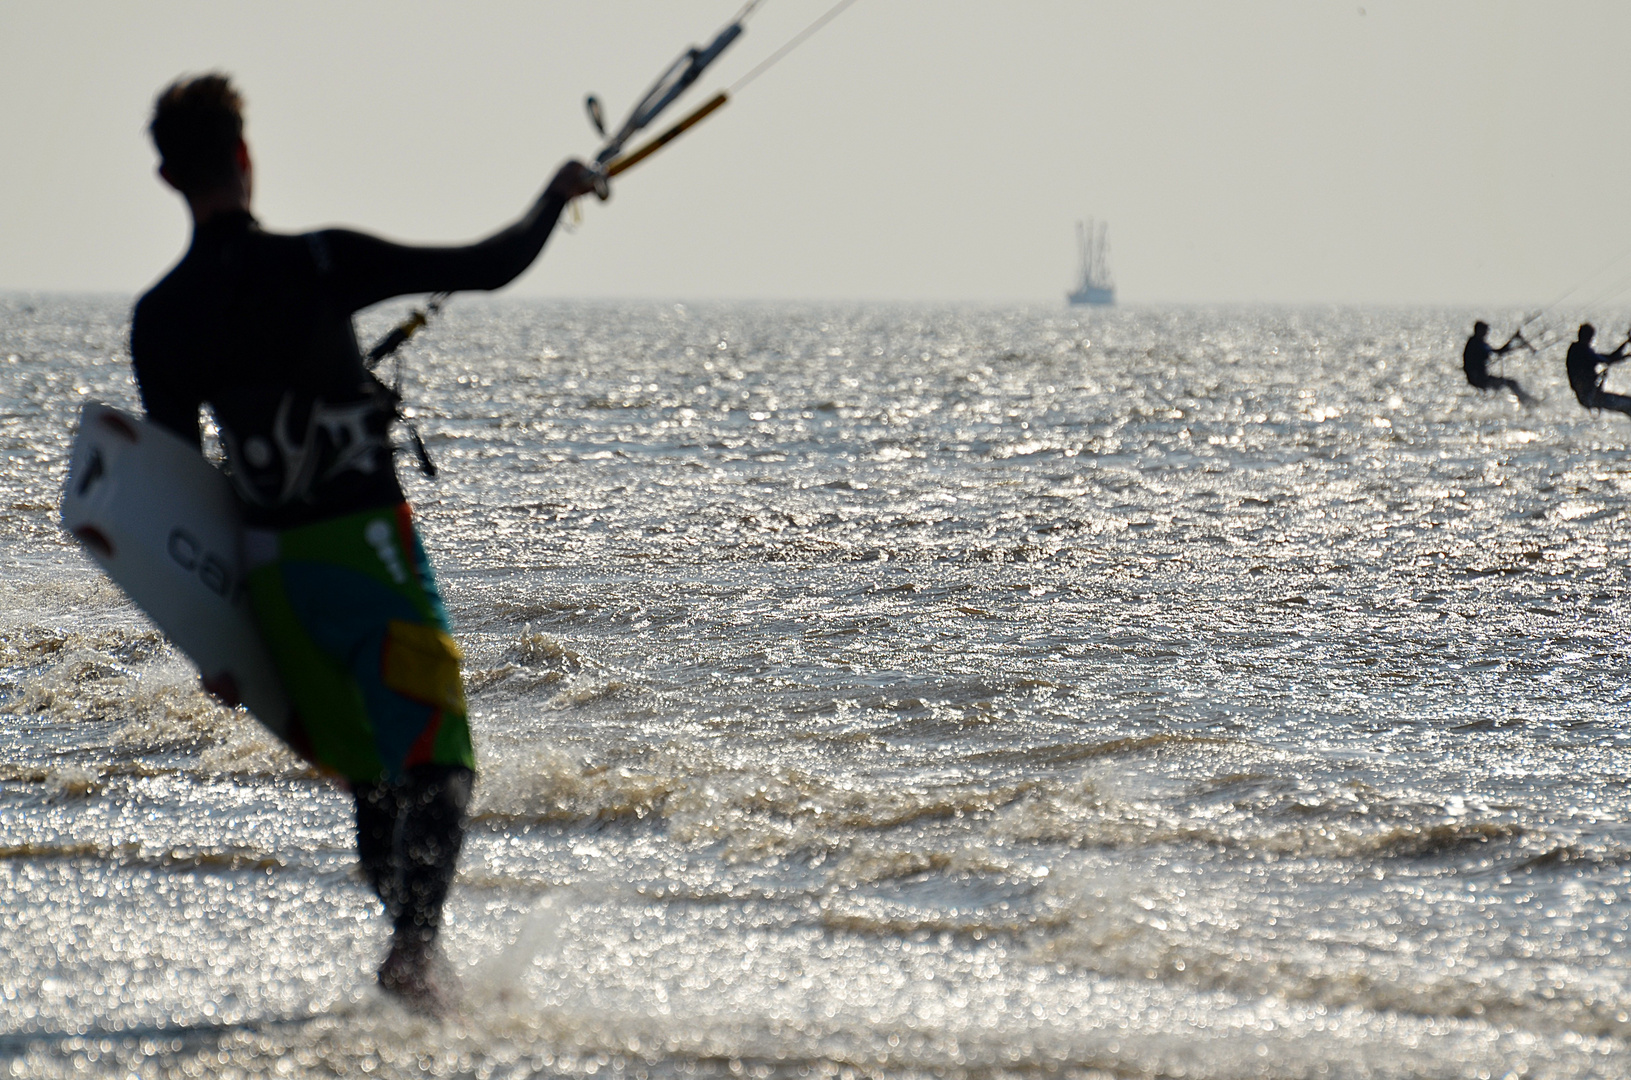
[(351, 614)]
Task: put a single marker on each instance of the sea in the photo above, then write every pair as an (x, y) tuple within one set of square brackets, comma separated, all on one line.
[(882, 691)]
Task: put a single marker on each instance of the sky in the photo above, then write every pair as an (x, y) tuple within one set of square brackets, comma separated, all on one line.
[(1242, 151)]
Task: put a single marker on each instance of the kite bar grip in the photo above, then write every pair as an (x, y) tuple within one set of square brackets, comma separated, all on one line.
[(628, 161)]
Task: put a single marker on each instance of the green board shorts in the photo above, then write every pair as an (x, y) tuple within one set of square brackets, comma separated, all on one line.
[(351, 614)]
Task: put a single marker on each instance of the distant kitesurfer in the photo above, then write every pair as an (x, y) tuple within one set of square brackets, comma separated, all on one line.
[(1475, 361), (257, 325), (1588, 368)]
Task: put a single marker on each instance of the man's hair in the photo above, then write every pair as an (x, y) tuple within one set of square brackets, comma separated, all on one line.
[(197, 124)]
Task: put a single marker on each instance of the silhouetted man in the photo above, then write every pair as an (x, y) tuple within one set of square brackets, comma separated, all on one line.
[(1475, 361), (1588, 368), (257, 325)]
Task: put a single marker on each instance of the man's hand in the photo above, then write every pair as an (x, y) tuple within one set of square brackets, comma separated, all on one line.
[(574, 179)]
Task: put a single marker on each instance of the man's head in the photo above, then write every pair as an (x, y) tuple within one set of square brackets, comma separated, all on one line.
[(1587, 332), (1480, 328), (198, 128)]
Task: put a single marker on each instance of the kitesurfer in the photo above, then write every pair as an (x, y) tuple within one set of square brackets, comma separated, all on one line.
[(257, 325), (1475, 361), (1588, 368)]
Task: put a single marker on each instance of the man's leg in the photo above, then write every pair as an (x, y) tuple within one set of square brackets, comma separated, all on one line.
[(1613, 402), (1512, 385), (432, 801), (354, 598), (379, 808), (1494, 382)]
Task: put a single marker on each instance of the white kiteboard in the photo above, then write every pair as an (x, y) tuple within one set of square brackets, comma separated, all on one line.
[(164, 524)]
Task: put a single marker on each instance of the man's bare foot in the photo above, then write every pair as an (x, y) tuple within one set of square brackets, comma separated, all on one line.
[(415, 975)]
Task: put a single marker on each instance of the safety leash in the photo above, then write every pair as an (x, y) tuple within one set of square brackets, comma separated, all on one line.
[(388, 345)]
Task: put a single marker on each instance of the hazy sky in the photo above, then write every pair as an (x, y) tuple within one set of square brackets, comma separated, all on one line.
[(1296, 151)]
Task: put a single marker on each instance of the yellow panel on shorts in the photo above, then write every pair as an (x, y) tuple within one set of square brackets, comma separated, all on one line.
[(422, 662)]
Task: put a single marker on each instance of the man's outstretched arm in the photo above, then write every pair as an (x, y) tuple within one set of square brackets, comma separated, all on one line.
[(364, 269)]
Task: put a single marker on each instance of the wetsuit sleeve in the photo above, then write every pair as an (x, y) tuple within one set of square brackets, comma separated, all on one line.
[(362, 270), (166, 394)]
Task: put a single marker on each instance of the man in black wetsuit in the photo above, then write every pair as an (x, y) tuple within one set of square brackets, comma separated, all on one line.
[(1475, 362), (1588, 368), (257, 325)]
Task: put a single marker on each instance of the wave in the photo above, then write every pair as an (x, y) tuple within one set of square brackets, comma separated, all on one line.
[(141, 855), (1148, 923), (28, 645)]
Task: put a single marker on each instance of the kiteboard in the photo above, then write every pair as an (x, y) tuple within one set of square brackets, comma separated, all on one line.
[(164, 524)]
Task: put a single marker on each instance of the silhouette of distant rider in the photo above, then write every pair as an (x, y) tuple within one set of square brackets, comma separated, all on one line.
[(1475, 361), (1588, 368)]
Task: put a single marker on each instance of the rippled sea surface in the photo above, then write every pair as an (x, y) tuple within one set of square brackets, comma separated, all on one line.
[(882, 692)]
